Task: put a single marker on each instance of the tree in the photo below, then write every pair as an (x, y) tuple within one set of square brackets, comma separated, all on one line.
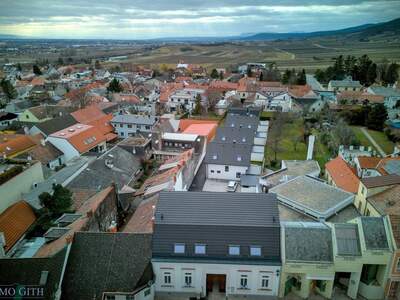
[(221, 75), (392, 74), (338, 68), (58, 202), (36, 70), (97, 65), (214, 74), (275, 135), (19, 67), (115, 86), (249, 72), (301, 78), (197, 107), (60, 61), (261, 78), (377, 117), (371, 74), (8, 89)]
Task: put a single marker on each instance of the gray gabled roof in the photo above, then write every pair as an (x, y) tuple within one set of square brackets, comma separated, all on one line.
[(235, 135), (106, 262), (228, 154), (134, 119), (56, 124), (308, 244), (212, 208)]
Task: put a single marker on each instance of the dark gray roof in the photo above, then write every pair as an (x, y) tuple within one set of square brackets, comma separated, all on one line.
[(228, 154), (99, 176), (374, 233), (56, 124), (347, 239), (28, 271), (308, 244), (235, 135), (134, 119), (106, 262), (378, 181), (55, 232), (249, 180), (212, 208), (239, 121), (252, 111)]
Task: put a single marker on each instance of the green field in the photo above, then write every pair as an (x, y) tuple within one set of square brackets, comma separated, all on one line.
[(361, 137)]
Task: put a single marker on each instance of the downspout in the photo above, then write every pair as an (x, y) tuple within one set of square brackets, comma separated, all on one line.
[(59, 288)]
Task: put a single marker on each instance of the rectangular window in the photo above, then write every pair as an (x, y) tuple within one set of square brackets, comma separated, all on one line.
[(234, 250), (121, 125), (110, 297), (212, 171), (255, 250), (200, 249), (179, 248), (237, 174), (243, 281), (188, 279), (129, 126), (264, 282), (138, 126), (226, 168), (167, 278), (148, 127), (398, 265), (219, 172), (122, 134)]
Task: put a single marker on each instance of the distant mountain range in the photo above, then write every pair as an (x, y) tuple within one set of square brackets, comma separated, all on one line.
[(363, 31)]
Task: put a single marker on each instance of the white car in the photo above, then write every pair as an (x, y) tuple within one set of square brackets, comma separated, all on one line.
[(232, 186)]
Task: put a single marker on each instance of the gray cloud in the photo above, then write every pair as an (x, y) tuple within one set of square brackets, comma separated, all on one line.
[(143, 18)]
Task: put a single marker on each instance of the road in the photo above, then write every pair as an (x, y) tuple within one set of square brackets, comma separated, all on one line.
[(373, 142)]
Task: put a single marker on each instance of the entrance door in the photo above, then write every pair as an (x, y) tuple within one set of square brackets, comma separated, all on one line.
[(216, 283)]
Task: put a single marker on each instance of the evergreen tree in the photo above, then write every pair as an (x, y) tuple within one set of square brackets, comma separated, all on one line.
[(221, 75), (197, 107), (301, 78), (8, 89), (57, 203), (371, 74), (115, 86), (60, 61), (19, 67), (286, 76), (261, 78), (214, 74), (364, 63), (338, 68), (36, 70), (392, 74), (377, 117)]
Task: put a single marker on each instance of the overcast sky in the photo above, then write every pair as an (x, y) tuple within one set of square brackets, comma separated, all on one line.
[(138, 19)]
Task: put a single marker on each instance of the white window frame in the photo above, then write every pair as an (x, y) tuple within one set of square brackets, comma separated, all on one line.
[(188, 275), (244, 278), (165, 276), (201, 246), (265, 279), (257, 248), (178, 246), (234, 253)]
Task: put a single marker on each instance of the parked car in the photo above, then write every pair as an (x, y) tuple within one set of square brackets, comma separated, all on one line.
[(232, 186)]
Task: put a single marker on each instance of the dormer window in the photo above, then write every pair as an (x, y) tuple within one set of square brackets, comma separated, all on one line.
[(224, 138), (255, 251), (214, 157), (244, 140), (200, 249), (179, 248), (234, 250), (239, 158)]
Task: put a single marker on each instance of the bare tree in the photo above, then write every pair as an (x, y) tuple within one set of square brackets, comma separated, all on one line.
[(275, 135)]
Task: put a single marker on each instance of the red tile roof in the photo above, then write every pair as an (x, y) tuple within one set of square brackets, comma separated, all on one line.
[(88, 114), (15, 221), (342, 175), (208, 130), (142, 220), (15, 145), (367, 162)]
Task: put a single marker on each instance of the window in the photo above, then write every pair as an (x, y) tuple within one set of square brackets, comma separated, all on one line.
[(237, 174), (122, 134), (138, 126), (264, 281), (243, 281), (212, 171), (179, 248), (167, 278), (219, 172), (129, 126), (147, 127), (200, 249), (226, 168), (130, 297), (188, 279), (255, 250), (368, 213), (398, 265), (110, 297), (121, 125), (234, 250)]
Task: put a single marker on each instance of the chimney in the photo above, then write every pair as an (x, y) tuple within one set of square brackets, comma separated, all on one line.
[(113, 227), (43, 142), (89, 214)]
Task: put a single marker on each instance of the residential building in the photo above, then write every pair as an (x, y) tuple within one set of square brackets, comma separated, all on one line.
[(392, 291), (340, 174), (347, 84), (130, 125), (378, 195), (391, 99), (14, 223), (198, 251), (43, 113), (6, 119), (109, 266), (17, 178), (14, 145), (78, 139), (185, 99), (51, 126)]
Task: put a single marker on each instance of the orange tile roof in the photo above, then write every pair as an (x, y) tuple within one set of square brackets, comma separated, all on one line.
[(208, 130), (185, 123), (37, 81), (16, 145), (103, 124), (360, 96), (88, 114), (82, 137), (343, 175), (300, 91), (367, 162), (15, 221)]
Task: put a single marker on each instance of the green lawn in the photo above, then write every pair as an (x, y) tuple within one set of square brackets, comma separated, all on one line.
[(382, 140), (361, 137), (287, 144)]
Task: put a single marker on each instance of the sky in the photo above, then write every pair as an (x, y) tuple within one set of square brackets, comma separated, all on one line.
[(146, 19)]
